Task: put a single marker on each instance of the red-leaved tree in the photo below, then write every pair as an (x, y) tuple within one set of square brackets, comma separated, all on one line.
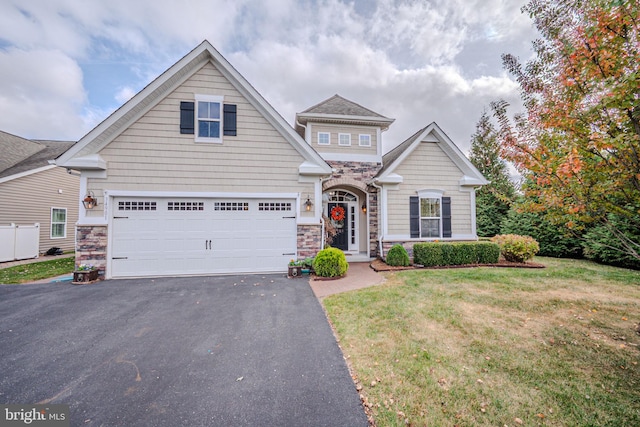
[(578, 141)]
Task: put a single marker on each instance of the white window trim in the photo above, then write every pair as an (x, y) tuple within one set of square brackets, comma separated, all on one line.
[(328, 138), (430, 194), (209, 98), (64, 236), (368, 139), (340, 135)]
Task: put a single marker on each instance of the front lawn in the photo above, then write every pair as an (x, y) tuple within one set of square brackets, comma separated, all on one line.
[(496, 347), (27, 273)]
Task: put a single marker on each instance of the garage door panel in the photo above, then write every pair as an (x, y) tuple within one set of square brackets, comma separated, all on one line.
[(157, 237)]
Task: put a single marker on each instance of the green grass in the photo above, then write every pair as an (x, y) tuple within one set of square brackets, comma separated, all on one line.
[(495, 347), (36, 271)]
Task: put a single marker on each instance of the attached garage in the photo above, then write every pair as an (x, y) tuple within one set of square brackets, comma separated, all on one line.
[(190, 236)]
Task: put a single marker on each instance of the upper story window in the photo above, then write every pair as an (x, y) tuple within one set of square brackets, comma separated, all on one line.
[(344, 139), (365, 140), (209, 118), (324, 138)]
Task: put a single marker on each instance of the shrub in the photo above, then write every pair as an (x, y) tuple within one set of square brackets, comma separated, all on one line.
[(554, 240), (602, 246), (428, 254), (487, 252), (398, 256), (516, 248), (440, 254), (330, 262)]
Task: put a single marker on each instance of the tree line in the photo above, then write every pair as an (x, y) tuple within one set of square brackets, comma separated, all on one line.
[(576, 145)]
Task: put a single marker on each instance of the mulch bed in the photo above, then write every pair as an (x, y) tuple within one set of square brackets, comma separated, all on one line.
[(379, 265)]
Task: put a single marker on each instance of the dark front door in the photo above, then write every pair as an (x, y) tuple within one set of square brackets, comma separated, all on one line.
[(340, 240)]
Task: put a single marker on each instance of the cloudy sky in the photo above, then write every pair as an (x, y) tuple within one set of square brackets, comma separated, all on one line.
[(65, 65)]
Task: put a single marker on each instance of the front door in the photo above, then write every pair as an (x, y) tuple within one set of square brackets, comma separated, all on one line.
[(339, 215)]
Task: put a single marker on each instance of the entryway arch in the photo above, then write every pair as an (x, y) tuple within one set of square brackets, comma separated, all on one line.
[(346, 210)]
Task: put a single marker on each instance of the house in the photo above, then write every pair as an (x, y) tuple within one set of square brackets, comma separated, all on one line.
[(32, 191), (198, 174)]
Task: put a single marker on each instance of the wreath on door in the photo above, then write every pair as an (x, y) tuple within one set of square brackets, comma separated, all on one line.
[(337, 213)]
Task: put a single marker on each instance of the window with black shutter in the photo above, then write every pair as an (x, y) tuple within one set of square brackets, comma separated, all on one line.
[(430, 216), (208, 118)]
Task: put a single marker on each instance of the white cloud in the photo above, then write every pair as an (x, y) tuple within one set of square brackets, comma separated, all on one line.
[(42, 94), (124, 94), (416, 61)]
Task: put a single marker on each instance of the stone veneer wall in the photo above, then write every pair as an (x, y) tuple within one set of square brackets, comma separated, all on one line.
[(386, 245), (309, 240), (91, 246), (359, 174), (357, 171), (373, 222)]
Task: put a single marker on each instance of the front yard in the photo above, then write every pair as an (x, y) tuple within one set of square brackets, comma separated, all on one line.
[(496, 347)]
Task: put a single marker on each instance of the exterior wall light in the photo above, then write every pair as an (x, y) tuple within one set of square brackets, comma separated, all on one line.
[(308, 204), (364, 207), (89, 201)]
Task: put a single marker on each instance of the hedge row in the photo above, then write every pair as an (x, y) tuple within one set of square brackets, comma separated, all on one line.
[(441, 254)]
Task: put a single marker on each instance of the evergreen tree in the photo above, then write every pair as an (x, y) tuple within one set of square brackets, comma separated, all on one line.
[(493, 200)]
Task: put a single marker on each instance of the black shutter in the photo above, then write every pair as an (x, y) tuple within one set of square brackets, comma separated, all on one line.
[(229, 120), (446, 217), (187, 117), (414, 216)]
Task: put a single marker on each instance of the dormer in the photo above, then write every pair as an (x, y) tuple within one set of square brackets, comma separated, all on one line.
[(341, 130)]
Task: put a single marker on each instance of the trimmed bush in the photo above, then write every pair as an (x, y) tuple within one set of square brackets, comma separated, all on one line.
[(487, 252), (330, 262), (398, 256), (428, 254), (441, 254), (516, 248)]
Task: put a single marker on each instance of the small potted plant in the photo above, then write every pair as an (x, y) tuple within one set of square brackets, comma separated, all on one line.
[(295, 268), (85, 274)]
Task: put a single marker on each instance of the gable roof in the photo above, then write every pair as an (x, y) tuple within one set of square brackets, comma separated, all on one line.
[(84, 154), (21, 156), (430, 133), (15, 149), (341, 110)]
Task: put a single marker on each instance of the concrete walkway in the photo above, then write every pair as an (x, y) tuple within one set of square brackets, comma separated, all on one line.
[(360, 275)]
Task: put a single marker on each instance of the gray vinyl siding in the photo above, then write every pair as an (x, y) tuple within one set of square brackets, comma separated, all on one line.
[(29, 199), (428, 167), (152, 155)]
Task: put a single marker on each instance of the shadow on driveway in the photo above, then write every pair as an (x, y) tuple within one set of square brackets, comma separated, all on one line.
[(200, 351)]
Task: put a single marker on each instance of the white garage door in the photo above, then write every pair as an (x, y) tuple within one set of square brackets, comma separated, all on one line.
[(166, 237)]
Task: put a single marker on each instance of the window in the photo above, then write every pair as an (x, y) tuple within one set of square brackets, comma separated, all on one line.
[(209, 118), (58, 223), (324, 138), (344, 139), (430, 217), (274, 206), (212, 116), (185, 206), (231, 206), (365, 140), (137, 206)]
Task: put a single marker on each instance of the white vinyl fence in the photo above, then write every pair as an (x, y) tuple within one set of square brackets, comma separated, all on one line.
[(19, 241)]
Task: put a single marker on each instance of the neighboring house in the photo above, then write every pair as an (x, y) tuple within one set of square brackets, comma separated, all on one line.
[(34, 191), (198, 174)]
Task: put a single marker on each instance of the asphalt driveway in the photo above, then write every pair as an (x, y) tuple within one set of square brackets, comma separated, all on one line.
[(202, 351)]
